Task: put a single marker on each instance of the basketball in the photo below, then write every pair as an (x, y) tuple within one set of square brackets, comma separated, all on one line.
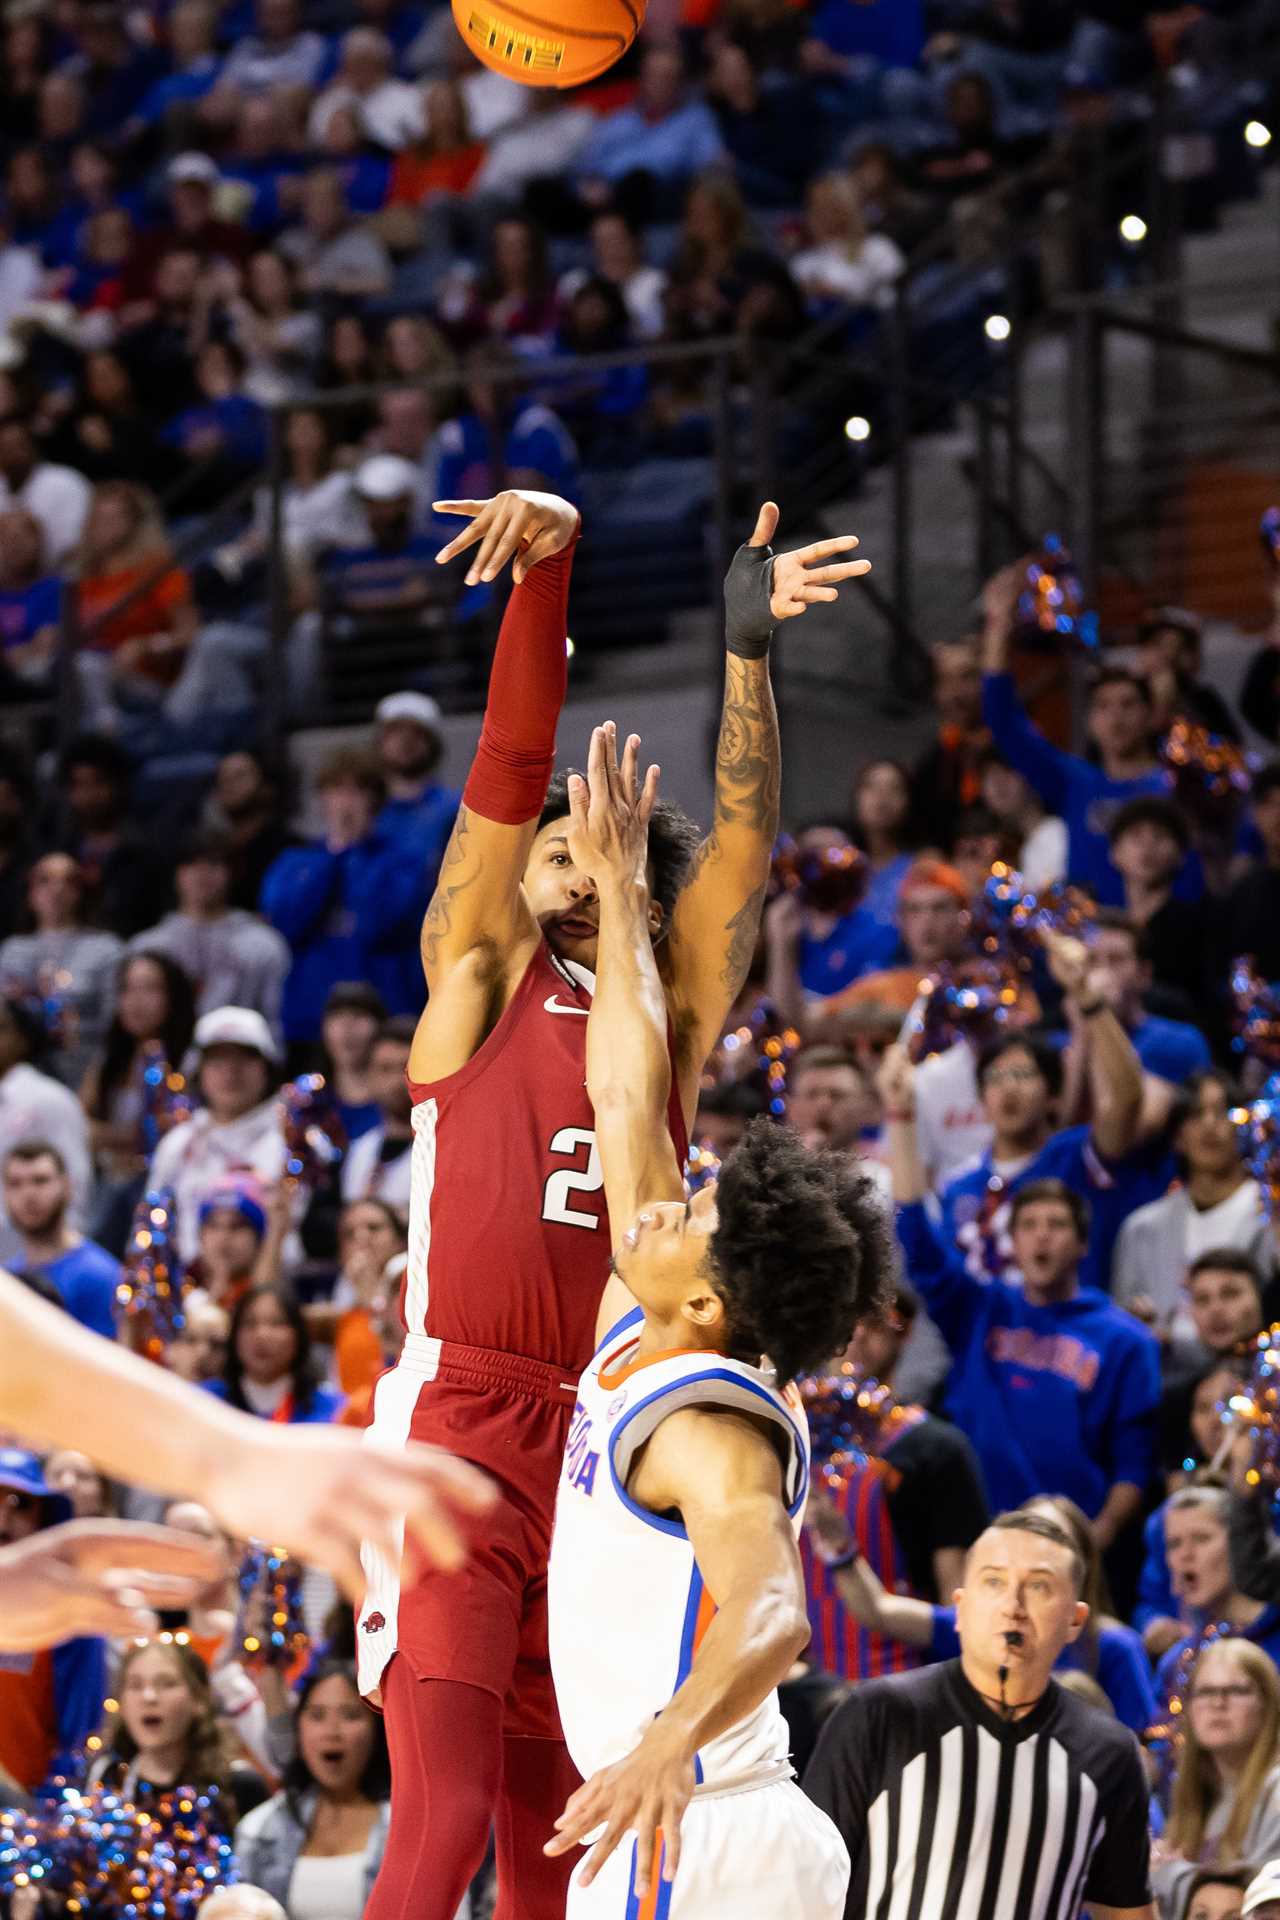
[(561, 44)]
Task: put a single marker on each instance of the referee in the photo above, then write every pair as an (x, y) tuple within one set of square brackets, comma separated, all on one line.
[(978, 1787)]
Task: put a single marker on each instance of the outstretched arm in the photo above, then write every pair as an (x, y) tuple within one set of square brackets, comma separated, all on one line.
[(316, 1490), (1113, 1069), (720, 1472), (628, 1063), (478, 927), (714, 926)]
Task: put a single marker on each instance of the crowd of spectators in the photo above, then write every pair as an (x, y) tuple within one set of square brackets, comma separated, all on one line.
[(216, 208)]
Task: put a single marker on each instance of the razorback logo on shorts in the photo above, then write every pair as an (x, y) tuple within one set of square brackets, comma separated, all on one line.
[(374, 1624)]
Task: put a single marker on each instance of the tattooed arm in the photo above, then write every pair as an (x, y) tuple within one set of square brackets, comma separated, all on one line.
[(714, 926)]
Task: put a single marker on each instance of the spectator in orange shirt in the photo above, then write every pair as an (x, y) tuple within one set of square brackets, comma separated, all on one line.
[(372, 1244), (142, 640), (444, 160)]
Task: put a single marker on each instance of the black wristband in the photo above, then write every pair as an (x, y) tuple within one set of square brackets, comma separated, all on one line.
[(1094, 1008), (748, 623), (846, 1560)]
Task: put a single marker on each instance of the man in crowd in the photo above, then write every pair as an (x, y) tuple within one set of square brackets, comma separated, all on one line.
[(1250, 914), (933, 919), (950, 1785), (251, 807), (233, 959), (1019, 1079), (830, 1102), (124, 872), (1170, 1050), (910, 1506), (948, 776), (34, 1106), (377, 1165), (37, 1199), (410, 748), (1149, 840), (1215, 1205), (1057, 1388), (1084, 792)]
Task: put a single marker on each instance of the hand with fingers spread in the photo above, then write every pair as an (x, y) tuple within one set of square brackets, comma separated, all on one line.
[(609, 811), (645, 1794), (516, 525), (320, 1493), (761, 587), (98, 1577)]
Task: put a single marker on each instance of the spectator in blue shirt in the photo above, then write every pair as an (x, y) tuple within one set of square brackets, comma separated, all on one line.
[(503, 440), (194, 63), (1085, 793), (37, 1197), (666, 135), (1057, 1389), (814, 944), (419, 809), (1172, 1050), (349, 905), (30, 598), (1019, 1078)]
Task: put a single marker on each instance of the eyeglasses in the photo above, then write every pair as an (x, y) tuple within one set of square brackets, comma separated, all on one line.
[(1223, 1694)]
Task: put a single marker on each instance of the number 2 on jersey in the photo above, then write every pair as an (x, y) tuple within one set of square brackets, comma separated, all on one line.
[(567, 1181)]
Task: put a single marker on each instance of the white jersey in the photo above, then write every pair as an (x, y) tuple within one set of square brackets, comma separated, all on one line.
[(627, 1603)]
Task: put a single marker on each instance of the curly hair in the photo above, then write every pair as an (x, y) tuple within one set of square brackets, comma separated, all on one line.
[(801, 1253), (207, 1760), (673, 841)]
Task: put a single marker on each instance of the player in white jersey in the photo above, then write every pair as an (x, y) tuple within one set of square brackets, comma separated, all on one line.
[(676, 1595)]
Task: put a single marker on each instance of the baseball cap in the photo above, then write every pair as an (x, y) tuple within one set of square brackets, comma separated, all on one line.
[(385, 476), (21, 1472), (244, 1197), (1263, 1887), (420, 708), (193, 166), (236, 1027)]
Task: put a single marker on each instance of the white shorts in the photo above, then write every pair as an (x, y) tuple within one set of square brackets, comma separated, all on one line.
[(765, 1854)]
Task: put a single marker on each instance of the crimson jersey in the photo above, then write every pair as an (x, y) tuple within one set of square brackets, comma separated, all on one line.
[(509, 1237)]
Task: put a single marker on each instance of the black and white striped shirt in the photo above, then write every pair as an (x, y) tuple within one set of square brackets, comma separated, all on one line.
[(950, 1812)]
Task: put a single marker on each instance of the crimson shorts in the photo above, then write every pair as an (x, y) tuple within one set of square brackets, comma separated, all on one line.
[(487, 1624)]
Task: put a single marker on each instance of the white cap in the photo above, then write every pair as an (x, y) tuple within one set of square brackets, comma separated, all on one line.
[(385, 476), (408, 705), (1263, 1887), (236, 1027), (193, 166)]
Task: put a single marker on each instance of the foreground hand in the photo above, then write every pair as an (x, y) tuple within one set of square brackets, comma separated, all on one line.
[(609, 812), (647, 1794), (98, 1577), (515, 525), (321, 1491), (801, 578)]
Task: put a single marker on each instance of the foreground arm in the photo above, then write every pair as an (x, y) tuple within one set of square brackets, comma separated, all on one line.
[(721, 1473), (628, 1062), (478, 925), (319, 1491), (714, 926)]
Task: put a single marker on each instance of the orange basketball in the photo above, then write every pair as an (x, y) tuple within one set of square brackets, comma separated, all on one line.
[(549, 43)]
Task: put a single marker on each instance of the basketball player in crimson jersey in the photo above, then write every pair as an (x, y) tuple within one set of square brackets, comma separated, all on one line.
[(509, 1235)]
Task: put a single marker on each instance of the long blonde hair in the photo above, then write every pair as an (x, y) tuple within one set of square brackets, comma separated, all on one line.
[(1196, 1786)]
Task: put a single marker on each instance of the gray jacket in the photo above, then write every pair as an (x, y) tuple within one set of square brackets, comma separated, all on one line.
[(1150, 1256), (269, 1840)]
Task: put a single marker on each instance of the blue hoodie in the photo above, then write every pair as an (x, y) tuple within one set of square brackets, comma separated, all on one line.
[(1078, 790), (1056, 1399), (353, 915)]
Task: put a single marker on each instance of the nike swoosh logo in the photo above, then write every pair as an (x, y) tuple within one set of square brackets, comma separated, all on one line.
[(553, 1005)]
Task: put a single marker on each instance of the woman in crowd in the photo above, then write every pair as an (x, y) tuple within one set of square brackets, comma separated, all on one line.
[(371, 1236), (318, 1843), (352, 1015), (277, 333), (516, 295), (317, 504), (129, 653), (882, 828), (166, 1733), (843, 264), (152, 1023), (1225, 1806), (445, 159), (268, 1369), (66, 965), (107, 433), (348, 359), (91, 1495)]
